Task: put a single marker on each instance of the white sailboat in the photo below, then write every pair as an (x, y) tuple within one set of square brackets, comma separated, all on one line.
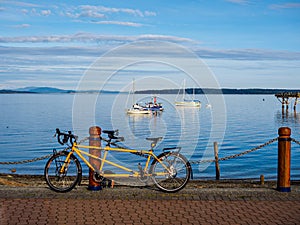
[(136, 108), (188, 103)]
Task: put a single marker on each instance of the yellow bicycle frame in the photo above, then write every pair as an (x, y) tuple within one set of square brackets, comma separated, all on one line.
[(131, 173)]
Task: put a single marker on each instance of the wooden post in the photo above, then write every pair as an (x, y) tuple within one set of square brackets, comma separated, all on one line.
[(217, 160), (284, 160), (95, 133), (262, 179)]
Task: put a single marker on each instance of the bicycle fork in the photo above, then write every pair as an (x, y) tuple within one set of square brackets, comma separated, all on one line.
[(62, 167)]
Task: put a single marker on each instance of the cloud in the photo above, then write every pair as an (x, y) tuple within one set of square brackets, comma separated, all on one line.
[(45, 12), (106, 43), (19, 3), (87, 37), (35, 12), (104, 9), (122, 23), (24, 11), (84, 12), (93, 11), (149, 13), (155, 37), (24, 25), (25, 66), (285, 6), (90, 14), (107, 40), (247, 54)]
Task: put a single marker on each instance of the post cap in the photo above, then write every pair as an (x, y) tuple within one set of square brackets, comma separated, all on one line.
[(95, 130), (284, 131)]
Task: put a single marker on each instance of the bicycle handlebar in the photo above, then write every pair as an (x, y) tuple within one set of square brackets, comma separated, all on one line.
[(63, 138)]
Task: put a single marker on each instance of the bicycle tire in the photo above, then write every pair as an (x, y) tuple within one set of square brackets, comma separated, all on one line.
[(66, 181), (180, 172)]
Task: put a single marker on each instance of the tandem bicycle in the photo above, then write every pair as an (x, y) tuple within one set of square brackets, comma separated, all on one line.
[(169, 171)]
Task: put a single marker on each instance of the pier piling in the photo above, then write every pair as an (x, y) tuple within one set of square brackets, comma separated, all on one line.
[(285, 97)]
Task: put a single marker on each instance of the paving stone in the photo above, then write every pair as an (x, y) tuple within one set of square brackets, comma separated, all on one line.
[(222, 203)]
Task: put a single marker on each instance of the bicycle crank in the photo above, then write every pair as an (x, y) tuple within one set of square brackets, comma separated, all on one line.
[(97, 177)]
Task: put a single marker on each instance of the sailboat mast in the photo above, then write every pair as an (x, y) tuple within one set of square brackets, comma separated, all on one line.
[(193, 93), (133, 92), (183, 95)]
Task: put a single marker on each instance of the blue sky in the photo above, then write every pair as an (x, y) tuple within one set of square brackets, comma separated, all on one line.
[(245, 43)]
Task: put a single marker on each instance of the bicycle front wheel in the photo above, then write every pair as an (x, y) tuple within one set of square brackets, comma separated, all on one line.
[(171, 172), (66, 180)]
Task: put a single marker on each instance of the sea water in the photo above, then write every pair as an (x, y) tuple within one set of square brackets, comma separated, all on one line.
[(28, 123)]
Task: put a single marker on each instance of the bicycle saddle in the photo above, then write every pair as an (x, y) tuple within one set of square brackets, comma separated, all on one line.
[(111, 133), (154, 140)]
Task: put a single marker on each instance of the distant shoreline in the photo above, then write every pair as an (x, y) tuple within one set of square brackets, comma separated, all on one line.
[(224, 91)]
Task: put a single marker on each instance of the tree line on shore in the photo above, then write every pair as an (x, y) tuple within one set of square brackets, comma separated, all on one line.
[(247, 91)]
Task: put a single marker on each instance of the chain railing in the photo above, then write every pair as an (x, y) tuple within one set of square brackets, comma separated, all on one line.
[(28, 160), (295, 141), (191, 162), (38, 158), (235, 155)]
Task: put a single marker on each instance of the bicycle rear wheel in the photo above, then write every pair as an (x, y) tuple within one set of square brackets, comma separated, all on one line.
[(66, 180), (174, 175)]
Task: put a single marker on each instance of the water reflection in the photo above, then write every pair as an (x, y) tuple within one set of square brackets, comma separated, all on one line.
[(139, 124), (286, 116), (190, 129)]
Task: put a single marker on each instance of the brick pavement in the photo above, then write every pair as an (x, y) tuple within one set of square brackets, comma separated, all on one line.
[(125, 205), (81, 211)]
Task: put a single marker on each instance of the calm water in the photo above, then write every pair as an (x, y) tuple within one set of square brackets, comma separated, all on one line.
[(28, 123)]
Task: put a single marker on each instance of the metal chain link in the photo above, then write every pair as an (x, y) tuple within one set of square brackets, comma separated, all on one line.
[(236, 155), (39, 158), (83, 140), (32, 160), (294, 140), (191, 162), (27, 161)]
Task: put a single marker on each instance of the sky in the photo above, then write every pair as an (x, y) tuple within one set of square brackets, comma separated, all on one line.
[(244, 43)]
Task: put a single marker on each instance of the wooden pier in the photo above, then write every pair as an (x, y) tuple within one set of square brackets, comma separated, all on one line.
[(285, 97)]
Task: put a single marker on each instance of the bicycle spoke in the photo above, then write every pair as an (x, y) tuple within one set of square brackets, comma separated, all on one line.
[(170, 171), (175, 177), (65, 180)]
